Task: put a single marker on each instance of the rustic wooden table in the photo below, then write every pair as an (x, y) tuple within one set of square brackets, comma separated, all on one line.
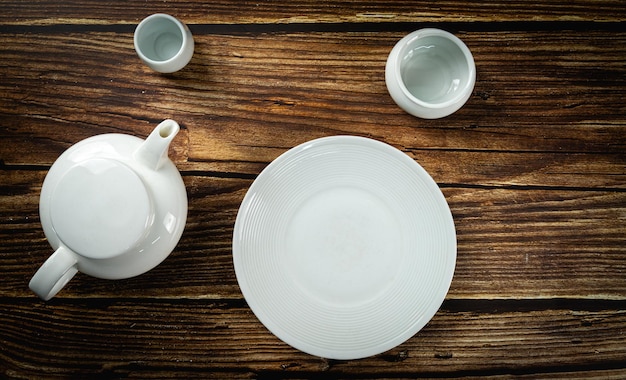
[(533, 168)]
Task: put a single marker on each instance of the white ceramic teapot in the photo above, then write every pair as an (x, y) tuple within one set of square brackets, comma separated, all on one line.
[(112, 206)]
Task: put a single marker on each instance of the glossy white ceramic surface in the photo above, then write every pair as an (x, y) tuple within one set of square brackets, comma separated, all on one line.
[(430, 73), (112, 206), (163, 43), (344, 247), (100, 208)]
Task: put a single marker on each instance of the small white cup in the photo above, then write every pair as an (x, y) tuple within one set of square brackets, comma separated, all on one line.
[(163, 43), (430, 73)]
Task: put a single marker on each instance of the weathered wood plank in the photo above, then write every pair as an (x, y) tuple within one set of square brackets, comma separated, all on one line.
[(245, 99), (512, 243), (15, 12), (139, 339)]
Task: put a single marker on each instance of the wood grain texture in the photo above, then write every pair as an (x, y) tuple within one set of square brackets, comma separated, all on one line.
[(512, 244), (245, 100), (118, 338), (533, 168), (42, 12)]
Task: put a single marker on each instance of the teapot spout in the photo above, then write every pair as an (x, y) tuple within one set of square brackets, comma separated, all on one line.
[(153, 151)]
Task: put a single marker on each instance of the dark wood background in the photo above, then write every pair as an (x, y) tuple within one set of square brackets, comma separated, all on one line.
[(533, 167)]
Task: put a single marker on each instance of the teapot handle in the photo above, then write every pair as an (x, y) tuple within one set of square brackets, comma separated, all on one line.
[(54, 274)]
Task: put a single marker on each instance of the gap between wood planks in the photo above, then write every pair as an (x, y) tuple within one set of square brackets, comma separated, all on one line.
[(492, 306), (254, 28)]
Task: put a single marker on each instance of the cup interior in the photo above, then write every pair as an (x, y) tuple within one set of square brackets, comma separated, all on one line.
[(434, 68), (159, 38)]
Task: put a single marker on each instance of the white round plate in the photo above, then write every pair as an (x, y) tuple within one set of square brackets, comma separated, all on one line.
[(344, 247)]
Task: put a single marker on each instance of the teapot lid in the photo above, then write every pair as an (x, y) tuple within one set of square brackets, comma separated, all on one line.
[(101, 208)]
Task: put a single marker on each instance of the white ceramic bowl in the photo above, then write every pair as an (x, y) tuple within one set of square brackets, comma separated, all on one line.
[(163, 43), (430, 73)]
